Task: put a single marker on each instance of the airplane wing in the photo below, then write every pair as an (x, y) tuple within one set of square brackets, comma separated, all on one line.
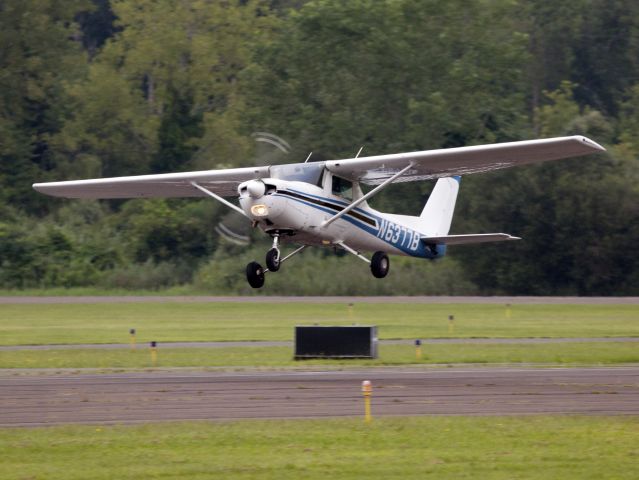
[(466, 239), (220, 182), (374, 170), (449, 162)]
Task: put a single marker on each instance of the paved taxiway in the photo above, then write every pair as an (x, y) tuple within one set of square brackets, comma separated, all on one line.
[(152, 396)]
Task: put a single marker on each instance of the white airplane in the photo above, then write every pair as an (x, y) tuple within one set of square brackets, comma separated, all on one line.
[(322, 203)]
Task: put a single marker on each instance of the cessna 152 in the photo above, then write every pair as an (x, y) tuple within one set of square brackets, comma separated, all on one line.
[(322, 203)]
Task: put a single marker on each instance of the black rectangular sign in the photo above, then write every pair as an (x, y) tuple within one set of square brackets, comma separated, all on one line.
[(335, 342)]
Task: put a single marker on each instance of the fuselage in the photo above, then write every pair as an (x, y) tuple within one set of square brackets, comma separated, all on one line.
[(296, 210)]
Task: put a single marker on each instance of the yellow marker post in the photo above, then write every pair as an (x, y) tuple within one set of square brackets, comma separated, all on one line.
[(418, 349), (508, 311), (451, 323), (350, 311), (367, 389), (154, 354), (133, 343)]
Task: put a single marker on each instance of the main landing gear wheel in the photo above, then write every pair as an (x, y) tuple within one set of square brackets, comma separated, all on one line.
[(380, 265), (255, 275), (273, 260)]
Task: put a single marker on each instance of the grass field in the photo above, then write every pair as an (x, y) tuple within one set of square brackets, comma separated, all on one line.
[(541, 447), (110, 323), (99, 292), (600, 353), (536, 447)]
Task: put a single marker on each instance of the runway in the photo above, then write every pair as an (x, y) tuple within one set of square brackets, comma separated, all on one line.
[(156, 396)]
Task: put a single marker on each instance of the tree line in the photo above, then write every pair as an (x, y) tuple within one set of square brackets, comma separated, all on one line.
[(92, 88)]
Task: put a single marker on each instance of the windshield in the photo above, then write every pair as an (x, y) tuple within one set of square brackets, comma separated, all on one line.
[(301, 172)]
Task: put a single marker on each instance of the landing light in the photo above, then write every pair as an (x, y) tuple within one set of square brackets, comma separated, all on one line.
[(259, 210)]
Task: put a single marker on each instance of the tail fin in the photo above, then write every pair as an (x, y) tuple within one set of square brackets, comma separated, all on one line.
[(437, 215)]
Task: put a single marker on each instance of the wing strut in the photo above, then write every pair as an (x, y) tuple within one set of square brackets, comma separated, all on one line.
[(367, 196), (354, 252), (294, 252), (219, 199)]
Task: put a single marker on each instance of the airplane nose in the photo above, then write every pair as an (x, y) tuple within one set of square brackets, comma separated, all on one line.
[(256, 188)]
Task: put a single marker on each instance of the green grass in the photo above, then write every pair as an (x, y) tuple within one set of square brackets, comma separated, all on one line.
[(605, 353), (110, 323), (87, 291), (541, 447)]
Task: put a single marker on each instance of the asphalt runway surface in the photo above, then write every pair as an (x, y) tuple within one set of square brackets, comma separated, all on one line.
[(172, 395), (334, 299)]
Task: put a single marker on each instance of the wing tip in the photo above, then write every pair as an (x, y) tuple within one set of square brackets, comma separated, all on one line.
[(40, 187), (50, 190), (590, 143)]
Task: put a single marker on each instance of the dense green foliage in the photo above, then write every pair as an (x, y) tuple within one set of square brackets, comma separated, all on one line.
[(116, 87)]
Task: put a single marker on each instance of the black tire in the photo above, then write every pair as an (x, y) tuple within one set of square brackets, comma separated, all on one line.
[(255, 275), (380, 264), (273, 260)]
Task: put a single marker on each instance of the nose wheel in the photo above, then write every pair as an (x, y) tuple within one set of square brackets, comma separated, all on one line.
[(255, 272), (273, 260), (273, 255), (255, 275)]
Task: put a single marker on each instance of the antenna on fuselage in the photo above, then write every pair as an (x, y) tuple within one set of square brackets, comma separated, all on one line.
[(360, 151), (309, 156)]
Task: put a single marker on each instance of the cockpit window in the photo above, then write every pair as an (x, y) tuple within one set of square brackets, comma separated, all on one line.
[(301, 172), (342, 187)]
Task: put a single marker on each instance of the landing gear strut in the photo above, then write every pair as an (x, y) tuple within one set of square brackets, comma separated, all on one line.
[(273, 256), (255, 272), (380, 264)]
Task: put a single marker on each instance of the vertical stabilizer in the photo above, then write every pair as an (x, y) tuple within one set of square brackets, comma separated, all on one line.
[(438, 211)]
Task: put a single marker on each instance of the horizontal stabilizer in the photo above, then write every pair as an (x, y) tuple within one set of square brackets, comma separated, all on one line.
[(467, 239)]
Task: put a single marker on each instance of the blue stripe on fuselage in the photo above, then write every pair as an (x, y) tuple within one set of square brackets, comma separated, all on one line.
[(338, 203), (396, 235)]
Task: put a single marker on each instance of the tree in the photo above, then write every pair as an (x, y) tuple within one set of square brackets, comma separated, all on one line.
[(391, 75), (161, 94), (39, 51), (97, 25), (578, 218), (606, 53), (109, 131), (552, 27), (184, 58)]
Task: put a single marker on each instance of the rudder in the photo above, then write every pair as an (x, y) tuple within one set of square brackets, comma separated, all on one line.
[(437, 214)]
